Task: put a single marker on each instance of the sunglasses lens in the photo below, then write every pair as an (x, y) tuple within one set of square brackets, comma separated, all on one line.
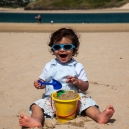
[(67, 47), (57, 47)]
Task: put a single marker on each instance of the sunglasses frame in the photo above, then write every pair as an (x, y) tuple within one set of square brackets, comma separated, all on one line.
[(62, 46)]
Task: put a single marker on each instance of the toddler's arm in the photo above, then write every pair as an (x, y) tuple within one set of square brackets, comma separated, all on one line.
[(82, 85)]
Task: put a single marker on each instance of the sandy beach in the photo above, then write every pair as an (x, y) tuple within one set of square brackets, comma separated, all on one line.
[(103, 51), (104, 56), (33, 27)]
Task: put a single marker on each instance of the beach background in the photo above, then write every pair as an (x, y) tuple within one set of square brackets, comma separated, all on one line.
[(103, 51)]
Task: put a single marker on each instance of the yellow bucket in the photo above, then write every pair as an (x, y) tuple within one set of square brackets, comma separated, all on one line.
[(65, 109)]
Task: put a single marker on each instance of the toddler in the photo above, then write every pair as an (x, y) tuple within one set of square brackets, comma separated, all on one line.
[(64, 44)]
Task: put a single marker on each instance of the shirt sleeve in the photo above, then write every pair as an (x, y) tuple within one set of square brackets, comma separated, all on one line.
[(81, 74), (44, 71)]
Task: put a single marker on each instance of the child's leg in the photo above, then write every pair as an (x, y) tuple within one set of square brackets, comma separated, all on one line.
[(35, 120), (100, 117)]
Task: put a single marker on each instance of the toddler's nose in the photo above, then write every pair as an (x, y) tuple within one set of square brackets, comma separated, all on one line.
[(62, 49)]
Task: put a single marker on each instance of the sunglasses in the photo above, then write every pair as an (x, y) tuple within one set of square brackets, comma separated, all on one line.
[(64, 46)]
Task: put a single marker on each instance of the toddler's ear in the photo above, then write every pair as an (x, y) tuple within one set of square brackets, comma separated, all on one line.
[(74, 51), (53, 53)]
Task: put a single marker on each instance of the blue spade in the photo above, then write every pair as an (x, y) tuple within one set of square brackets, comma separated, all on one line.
[(56, 84)]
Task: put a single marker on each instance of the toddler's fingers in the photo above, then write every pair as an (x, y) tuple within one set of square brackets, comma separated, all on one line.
[(35, 82), (69, 77), (67, 80)]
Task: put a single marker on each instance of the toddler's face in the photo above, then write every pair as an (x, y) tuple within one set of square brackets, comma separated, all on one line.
[(62, 55)]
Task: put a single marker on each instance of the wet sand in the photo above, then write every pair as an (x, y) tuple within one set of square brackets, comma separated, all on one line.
[(33, 27)]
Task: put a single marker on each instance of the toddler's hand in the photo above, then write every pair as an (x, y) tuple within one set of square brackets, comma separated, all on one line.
[(71, 79), (37, 85)]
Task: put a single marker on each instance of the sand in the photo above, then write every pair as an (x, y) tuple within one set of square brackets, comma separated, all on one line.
[(104, 56), (33, 27), (103, 52)]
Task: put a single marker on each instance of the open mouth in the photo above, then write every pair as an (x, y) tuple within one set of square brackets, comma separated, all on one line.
[(63, 55)]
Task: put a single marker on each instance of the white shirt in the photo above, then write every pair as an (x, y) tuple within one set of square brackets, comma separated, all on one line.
[(81, 74)]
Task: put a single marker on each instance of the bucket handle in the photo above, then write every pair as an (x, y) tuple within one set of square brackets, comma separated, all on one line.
[(78, 104)]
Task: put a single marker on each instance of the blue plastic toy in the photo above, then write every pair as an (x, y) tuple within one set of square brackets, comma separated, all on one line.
[(56, 84)]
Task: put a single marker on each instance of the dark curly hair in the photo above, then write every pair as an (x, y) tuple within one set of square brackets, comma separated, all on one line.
[(68, 33)]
